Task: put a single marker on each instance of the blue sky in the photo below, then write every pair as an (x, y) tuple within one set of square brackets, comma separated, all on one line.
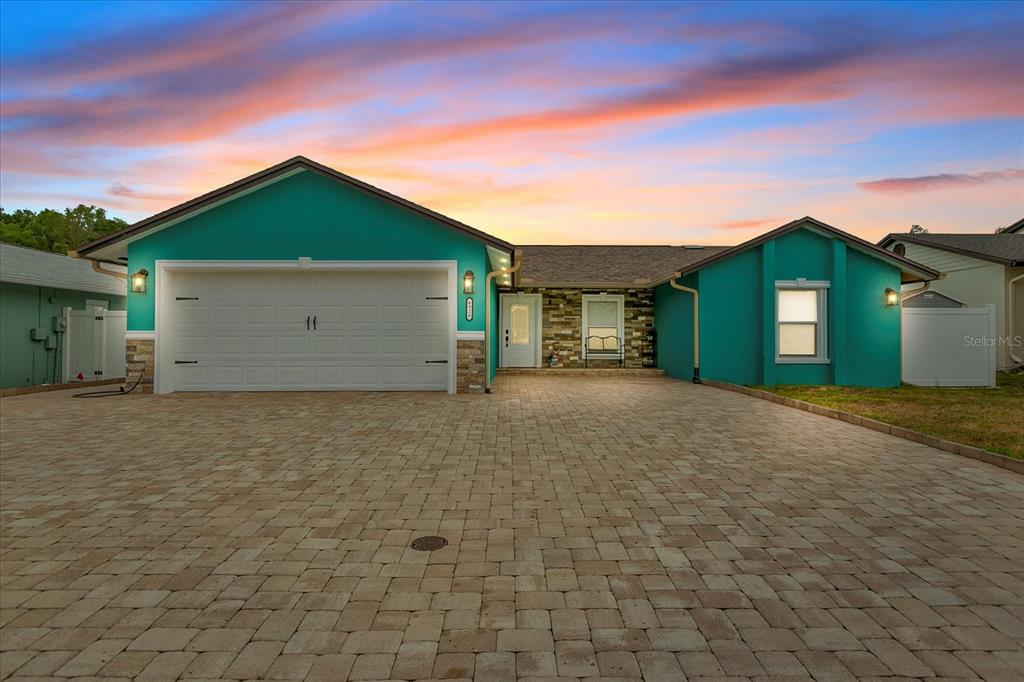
[(539, 122)]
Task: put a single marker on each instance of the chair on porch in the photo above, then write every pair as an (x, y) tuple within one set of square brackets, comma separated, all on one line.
[(603, 348)]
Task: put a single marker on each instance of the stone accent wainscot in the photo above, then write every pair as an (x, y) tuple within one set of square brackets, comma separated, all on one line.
[(469, 370), (139, 358), (562, 324)]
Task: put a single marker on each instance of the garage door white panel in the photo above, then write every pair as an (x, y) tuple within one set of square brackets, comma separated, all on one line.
[(238, 330)]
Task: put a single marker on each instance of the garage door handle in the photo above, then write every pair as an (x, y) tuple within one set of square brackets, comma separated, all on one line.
[(314, 322), (307, 323), (186, 362), (436, 362)]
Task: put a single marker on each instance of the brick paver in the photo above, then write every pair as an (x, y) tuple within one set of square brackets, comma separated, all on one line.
[(598, 527)]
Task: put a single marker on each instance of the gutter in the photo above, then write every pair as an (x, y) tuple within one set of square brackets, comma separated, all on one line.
[(696, 324), (487, 317)]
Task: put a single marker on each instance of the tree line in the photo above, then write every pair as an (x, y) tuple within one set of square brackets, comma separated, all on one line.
[(56, 231)]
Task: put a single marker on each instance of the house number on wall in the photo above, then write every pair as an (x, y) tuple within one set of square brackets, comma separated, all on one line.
[(469, 308)]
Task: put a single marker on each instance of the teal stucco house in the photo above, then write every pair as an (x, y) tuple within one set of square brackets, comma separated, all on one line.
[(302, 278)]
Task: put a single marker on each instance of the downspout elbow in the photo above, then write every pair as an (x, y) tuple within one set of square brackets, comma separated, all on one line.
[(696, 323), (487, 315)]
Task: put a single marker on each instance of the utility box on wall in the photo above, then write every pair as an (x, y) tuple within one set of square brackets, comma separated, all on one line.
[(39, 334)]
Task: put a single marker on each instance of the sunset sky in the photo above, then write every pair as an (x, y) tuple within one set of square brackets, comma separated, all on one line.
[(536, 122)]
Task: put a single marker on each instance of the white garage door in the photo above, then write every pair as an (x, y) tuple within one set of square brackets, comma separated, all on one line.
[(310, 330)]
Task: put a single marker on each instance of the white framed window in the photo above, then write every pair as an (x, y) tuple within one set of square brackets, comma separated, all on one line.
[(801, 321), (602, 322)]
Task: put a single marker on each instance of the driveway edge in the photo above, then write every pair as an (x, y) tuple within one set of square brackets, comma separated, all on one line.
[(1015, 465)]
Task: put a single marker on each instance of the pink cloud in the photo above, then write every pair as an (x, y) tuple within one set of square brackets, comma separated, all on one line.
[(942, 181), (747, 224)]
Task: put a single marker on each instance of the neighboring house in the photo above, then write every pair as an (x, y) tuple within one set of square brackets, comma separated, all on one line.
[(302, 278), (980, 269), (35, 289)]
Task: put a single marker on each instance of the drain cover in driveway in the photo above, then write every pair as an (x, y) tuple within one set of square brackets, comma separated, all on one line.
[(428, 543)]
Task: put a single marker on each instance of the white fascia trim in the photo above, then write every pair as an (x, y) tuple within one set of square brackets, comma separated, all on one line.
[(451, 266), (139, 336), (469, 336)]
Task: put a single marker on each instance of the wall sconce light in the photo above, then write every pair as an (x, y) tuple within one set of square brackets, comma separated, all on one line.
[(892, 297), (467, 282), (139, 281)]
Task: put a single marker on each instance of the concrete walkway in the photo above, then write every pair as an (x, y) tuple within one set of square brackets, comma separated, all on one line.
[(598, 527)]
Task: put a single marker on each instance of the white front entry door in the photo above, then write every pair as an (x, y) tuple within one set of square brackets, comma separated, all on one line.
[(520, 330), (302, 330)]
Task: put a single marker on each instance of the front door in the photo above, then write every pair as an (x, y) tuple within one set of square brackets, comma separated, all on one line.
[(519, 330)]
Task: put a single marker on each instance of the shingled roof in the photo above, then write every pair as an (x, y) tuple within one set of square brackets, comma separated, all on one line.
[(613, 266), (1006, 248)]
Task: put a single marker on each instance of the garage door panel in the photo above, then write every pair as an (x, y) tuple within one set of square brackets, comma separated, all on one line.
[(192, 315), (190, 376), (248, 330), (263, 314), (226, 376), (191, 346), (362, 314), (361, 376), (294, 376), (294, 346), (329, 345), (260, 376), (364, 345), (261, 345), (228, 345)]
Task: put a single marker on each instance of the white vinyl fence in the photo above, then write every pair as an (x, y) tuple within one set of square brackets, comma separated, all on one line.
[(949, 346), (94, 344)]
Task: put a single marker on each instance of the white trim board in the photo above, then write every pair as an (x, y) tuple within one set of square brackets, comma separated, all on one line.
[(469, 336), (161, 306), (139, 336)]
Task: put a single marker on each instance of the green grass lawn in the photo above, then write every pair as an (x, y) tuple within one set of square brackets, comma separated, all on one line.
[(989, 418)]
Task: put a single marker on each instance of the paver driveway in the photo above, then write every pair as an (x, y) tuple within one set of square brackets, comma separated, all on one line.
[(598, 527)]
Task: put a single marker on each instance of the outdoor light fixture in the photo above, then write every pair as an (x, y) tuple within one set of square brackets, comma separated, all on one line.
[(467, 282), (892, 297), (139, 281)]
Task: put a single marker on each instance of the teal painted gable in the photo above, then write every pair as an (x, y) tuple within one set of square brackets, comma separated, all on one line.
[(737, 315), (306, 214)]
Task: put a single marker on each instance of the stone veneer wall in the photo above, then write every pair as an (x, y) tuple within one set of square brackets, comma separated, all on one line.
[(562, 324), (139, 358), (469, 369)]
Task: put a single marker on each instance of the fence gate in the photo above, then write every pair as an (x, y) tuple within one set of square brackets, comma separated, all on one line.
[(949, 346), (94, 344)]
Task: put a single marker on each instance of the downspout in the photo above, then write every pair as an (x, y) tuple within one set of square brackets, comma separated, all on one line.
[(487, 316), (914, 292), (696, 324), (1013, 323), (96, 267)]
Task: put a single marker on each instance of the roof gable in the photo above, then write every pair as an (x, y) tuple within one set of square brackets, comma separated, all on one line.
[(113, 244), (911, 270), (1005, 248)]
